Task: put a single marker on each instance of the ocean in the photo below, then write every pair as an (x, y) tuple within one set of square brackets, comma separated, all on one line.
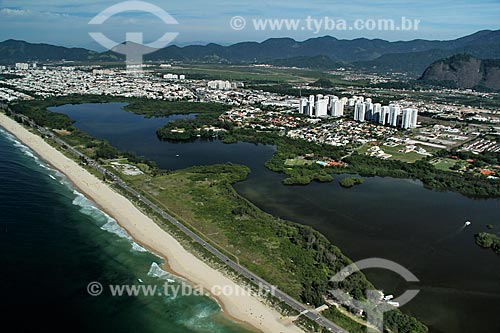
[(54, 242)]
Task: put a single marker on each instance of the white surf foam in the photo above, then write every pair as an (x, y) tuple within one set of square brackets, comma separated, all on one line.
[(113, 227), (156, 271), (87, 207), (110, 225), (25, 150), (136, 247), (52, 173)]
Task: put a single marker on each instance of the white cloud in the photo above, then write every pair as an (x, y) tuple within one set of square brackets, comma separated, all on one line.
[(28, 13), (14, 12)]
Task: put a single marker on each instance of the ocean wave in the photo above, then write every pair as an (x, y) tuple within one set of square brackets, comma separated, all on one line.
[(88, 208), (52, 173), (156, 271), (9, 136), (204, 313), (43, 166), (137, 248), (25, 150), (109, 224), (200, 321)]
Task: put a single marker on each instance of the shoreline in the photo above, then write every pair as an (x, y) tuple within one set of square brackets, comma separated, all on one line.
[(243, 309)]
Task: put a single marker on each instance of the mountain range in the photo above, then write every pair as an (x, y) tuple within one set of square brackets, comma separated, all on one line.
[(327, 52), (12, 51)]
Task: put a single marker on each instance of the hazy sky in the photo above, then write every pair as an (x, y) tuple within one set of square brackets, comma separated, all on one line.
[(65, 22)]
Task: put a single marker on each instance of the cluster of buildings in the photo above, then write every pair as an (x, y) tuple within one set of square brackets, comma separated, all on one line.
[(253, 117), (443, 137), (10, 95), (342, 132), (391, 115), (62, 81), (22, 66), (224, 85), (364, 110), (174, 77), (92, 80), (322, 106), (482, 145), (240, 97)]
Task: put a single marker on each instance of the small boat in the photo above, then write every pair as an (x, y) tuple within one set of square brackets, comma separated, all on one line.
[(170, 280), (140, 280), (468, 223), (177, 155), (52, 177)]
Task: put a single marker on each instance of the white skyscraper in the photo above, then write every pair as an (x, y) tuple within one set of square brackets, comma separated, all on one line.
[(406, 118), (333, 97), (376, 113), (217, 84), (336, 108), (414, 118), (311, 106), (321, 106), (368, 109), (384, 115), (304, 104), (22, 66), (359, 112), (394, 112), (409, 118)]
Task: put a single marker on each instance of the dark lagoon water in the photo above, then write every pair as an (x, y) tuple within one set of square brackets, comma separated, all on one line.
[(130, 132), (54, 242), (389, 218)]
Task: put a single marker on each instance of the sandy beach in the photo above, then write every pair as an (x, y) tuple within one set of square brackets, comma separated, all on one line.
[(244, 308)]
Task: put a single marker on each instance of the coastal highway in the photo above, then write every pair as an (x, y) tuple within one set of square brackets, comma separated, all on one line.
[(261, 283)]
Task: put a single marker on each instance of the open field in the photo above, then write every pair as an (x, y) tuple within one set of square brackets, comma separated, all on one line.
[(253, 74), (444, 164), (410, 157), (297, 162)]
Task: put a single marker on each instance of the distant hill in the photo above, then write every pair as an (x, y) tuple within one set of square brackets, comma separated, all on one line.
[(12, 51), (464, 71)]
